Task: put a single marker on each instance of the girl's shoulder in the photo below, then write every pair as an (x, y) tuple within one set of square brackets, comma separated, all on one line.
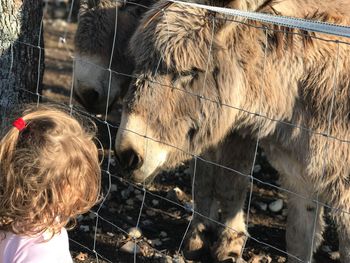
[(17, 248)]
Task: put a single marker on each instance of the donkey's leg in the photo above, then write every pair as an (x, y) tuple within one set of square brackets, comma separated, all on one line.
[(230, 191), (342, 219), (198, 237), (232, 237), (301, 232), (305, 223)]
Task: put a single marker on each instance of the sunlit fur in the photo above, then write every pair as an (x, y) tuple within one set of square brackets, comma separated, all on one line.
[(49, 172), (295, 84)]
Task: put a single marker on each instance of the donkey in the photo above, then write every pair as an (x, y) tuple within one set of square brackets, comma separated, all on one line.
[(93, 50), (93, 43), (201, 77)]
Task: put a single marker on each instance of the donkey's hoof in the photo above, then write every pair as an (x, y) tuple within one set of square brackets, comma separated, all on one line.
[(228, 247), (197, 243)]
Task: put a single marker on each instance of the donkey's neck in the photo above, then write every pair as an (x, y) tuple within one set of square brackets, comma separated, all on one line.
[(261, 86)]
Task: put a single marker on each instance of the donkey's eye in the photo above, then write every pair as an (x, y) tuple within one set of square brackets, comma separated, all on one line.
[(186, 74), (190, 73)]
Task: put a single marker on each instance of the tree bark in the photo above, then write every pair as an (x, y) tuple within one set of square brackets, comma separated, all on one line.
[(21, 54)]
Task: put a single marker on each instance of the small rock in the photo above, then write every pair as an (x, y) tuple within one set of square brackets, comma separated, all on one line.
[(137, 192), (135, 232), (146, 222), (187, 171), (155, 202), (262, 206), (113, 162), (139, 197), (276, 206), (84, 228), (257, 168), (92, 215), (163, 234), (114, 188), (130, 202), (150, 213), (130, 247), (156, 242), (188, 206), (110, 234), (80, 218), (280, 217), (125, 193)]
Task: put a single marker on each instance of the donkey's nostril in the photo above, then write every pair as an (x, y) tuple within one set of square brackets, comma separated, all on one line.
[(90, 96), (130, 160)]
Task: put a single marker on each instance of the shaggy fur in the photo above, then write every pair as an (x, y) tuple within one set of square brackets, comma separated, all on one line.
[(300, 83), (93, 49)]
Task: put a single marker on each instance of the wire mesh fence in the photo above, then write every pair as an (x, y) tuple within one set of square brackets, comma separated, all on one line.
[(202, 206)]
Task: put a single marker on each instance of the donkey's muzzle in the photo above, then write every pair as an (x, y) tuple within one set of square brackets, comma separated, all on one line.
[(129, 160)]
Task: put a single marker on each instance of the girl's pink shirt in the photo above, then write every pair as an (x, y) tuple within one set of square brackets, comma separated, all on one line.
[(22, 249)]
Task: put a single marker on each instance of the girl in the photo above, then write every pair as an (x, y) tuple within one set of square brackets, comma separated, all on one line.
[(49, 174)]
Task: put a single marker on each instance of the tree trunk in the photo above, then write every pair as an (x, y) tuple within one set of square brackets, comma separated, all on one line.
[(21, 59)]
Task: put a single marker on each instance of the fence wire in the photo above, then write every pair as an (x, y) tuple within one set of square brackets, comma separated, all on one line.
[(145, 192)]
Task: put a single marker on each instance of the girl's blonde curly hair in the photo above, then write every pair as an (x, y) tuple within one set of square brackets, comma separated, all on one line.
[(49, 172)]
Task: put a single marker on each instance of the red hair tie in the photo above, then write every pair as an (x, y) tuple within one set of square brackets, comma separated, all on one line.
[(20, 124)]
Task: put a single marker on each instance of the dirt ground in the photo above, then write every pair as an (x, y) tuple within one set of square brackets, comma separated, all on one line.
[(162, 223)]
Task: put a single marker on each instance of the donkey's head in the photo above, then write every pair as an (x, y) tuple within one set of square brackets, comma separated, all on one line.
[(103, 24), (174, 106)]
